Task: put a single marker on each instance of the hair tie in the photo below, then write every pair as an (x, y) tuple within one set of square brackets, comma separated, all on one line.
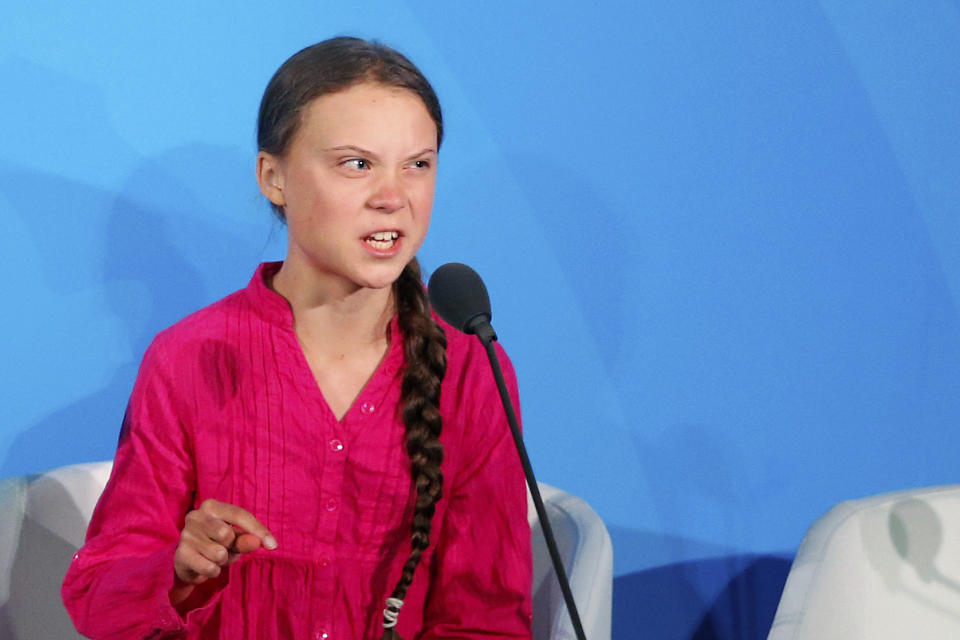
[(391, 612)]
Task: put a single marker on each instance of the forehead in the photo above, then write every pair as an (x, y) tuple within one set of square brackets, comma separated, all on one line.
[(368, 111)]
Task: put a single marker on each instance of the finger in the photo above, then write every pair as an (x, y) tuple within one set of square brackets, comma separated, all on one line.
[(192, 567), (243, 519), (207, 526), (212, 551)]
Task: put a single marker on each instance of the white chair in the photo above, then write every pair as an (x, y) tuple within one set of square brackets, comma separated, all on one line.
[(882, 567), (43, 521), (587, 555)]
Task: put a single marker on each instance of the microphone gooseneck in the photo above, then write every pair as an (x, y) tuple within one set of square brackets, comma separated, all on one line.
[(459, 296)]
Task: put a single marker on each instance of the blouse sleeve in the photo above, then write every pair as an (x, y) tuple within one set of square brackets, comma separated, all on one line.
[(118, 583), (482, 566)]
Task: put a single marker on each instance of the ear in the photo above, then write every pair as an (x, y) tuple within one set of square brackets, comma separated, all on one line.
[(270, 177)]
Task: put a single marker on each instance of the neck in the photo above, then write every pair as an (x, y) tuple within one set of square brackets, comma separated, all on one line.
[(332, 315)]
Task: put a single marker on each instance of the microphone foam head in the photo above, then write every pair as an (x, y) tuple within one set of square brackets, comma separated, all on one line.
[(459, 296)]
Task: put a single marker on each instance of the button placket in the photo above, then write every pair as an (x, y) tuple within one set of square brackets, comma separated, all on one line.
[(332, 484)]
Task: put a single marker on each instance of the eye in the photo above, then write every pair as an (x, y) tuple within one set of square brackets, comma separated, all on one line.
[(357, 164), (421, 164)]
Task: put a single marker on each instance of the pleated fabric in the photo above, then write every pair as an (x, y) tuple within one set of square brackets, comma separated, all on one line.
[(225, 406)]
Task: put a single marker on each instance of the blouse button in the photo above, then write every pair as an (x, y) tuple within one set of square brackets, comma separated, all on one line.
[(336, 445), (368, 408), (324, 562), (321, 635), (331, 504)]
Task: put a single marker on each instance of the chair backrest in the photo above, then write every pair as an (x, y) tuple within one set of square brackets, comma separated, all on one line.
[(587, 555), (883, 567), (43, 521)]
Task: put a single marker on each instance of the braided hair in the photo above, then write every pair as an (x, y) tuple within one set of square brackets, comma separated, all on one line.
[(424, 347), (327, 67)]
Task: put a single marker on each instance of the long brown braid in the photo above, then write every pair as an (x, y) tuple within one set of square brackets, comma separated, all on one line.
[(425, 353)]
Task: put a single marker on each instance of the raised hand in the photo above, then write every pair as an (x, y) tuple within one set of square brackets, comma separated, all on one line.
[(214, 536)]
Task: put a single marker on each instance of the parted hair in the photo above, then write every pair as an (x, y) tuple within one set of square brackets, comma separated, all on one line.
[(327, 67)]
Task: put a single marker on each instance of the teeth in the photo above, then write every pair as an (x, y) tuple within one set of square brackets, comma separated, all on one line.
[(382, 239)]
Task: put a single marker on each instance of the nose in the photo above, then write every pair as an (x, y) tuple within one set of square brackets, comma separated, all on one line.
[(388, 196)]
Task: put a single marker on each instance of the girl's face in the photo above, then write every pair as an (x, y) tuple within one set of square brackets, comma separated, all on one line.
[(356, 184)]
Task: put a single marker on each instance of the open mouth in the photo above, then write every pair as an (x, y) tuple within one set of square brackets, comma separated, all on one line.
[(382, 240)]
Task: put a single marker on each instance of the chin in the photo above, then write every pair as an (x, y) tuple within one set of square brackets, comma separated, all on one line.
[(380, 280)]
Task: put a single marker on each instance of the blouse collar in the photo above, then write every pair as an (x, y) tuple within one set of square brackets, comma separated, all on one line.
[(274, 308), (269, 304)]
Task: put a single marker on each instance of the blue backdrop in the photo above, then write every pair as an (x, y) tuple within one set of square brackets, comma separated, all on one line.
[(722, 242)]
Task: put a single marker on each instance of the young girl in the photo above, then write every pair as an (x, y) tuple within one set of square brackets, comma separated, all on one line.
[(310, 454)]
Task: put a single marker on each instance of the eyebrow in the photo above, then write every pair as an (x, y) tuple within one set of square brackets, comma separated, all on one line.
[(367, 152), (424, 152), (350, 147)]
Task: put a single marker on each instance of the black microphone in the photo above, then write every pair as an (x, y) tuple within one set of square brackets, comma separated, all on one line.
[(459, 296)]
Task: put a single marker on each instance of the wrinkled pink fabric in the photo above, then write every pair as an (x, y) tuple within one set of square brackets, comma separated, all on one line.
[(225, 407)]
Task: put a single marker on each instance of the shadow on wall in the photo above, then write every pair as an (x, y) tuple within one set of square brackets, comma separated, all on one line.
[(143, 277), (160, 250), (669, 602), (157, 238)]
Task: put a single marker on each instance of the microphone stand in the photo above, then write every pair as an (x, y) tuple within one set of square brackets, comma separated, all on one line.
[(481, 327)]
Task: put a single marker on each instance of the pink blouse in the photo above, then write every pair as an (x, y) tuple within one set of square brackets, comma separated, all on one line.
[(225, 407)]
